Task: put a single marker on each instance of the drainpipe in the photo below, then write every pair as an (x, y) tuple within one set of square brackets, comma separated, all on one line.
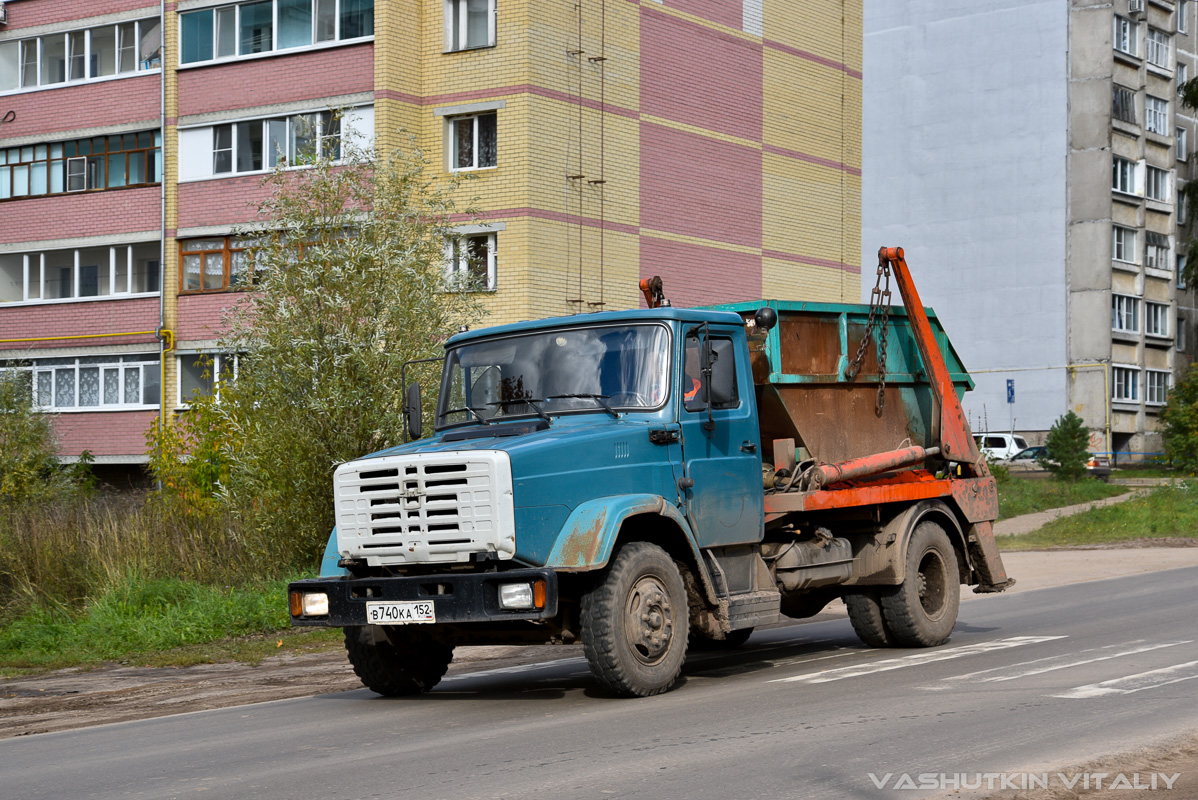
[(166, 338)]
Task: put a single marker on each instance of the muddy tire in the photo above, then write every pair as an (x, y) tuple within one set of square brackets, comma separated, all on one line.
[(923, 610), (869, 622), (395, 662), (635, 622), (735, 639)]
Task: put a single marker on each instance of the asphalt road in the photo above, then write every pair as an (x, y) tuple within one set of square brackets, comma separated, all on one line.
[(1032, 680)]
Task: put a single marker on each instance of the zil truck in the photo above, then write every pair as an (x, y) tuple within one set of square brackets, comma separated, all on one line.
[(642, 481)]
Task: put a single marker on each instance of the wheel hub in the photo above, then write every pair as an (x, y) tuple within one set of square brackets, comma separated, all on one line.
[(649, 620)]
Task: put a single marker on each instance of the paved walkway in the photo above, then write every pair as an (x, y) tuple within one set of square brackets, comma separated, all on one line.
[(1030, 522)]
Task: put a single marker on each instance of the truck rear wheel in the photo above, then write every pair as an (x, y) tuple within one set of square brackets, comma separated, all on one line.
[(869, 622), (635, 622), (396, 661), (923, 610)]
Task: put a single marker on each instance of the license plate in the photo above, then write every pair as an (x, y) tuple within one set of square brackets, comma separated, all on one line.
[(401, 613)]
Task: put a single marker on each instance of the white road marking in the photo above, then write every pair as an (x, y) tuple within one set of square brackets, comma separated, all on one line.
[(926, 657), (1041, 665), (1131, 684)]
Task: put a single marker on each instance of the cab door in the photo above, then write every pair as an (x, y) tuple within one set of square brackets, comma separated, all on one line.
[(721, 447)]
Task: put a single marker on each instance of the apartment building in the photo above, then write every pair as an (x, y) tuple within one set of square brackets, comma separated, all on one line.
[(714, 144), (1035, 185)]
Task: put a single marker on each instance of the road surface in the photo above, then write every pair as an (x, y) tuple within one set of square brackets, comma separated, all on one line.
[(1032, 680)]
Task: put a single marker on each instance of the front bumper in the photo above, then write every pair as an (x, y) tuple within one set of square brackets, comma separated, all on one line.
[(466, 597)]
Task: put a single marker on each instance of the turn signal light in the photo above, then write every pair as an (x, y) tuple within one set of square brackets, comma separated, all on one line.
[(538, 594), (295, 604)]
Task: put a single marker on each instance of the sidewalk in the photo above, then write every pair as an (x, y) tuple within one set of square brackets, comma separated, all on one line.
[(1030, 522)]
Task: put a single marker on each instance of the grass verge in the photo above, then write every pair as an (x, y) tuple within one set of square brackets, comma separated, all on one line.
[(1018, 496), (157, 622), (1168, 512)]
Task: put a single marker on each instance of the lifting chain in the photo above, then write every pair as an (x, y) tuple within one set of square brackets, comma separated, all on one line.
[(879, 315)]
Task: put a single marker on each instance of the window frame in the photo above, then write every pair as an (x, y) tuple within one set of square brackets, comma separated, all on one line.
[(1155, 42), (457, 40), (1126, 32), (78, 173), (227, 252), (476, 128), (1156, 320), (1182, 148), (1124, 176), (218, 367), (72, 37), (314, 42), (1156, 115), (1180, 24), (1123, 306), (1129, 242), (1123, 99), (34, 269), (118, 363), (1158, 394), (1123, 377), (1157, 250), (1181, 268), (457, 268), (1158, 184)]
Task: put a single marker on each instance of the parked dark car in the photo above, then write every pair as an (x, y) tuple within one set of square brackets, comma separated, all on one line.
[(1030, 462)]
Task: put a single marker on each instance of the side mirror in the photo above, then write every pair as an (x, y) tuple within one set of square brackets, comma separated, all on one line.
[(722, 389), (414, 412), (765, 318)]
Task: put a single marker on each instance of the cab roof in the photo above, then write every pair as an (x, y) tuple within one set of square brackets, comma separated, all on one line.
[(669, 314)]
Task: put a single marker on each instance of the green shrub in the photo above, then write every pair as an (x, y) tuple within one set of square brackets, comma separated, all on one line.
[(1179, 422), (1067, 448)]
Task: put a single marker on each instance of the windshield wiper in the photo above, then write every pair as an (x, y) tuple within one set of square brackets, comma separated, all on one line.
[(598, 398), (481, 418), (529, 401)]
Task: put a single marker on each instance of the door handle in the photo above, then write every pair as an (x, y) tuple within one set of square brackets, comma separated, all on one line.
[(748, 447), (663, 436)]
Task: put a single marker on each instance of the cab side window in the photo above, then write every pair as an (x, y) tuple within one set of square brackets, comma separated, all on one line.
[(723, 374)]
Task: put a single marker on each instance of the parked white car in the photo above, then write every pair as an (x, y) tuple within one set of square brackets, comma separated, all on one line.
[(998, 446)]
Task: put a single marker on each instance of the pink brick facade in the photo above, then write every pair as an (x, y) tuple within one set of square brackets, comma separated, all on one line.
[(223, 201), (107, 317), (280, 79), (84, 214), (200, 315), (85, 106), (65, 12), (104, 433)]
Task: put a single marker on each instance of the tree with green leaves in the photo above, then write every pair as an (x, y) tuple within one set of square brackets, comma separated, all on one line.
[(28, 444), (1179, 422), (347, 282), (1067, 448)]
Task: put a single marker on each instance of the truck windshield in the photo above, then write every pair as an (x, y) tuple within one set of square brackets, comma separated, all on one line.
[(599, 369)]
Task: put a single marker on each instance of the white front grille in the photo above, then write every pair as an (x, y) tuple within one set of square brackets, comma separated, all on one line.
[(425, 508)]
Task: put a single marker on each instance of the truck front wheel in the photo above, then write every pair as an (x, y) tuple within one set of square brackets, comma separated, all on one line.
[(635, 622), (923, 610), (396, 661)]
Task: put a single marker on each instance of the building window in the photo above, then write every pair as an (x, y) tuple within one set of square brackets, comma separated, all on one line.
[(1158, 48), (1123, 104), (470, 262), (215, 265), (203, 373), (86, 272), (259, 145), (1125, 35), (1124, 246), (99, 162), (1183, 150), (1123, 175), (1183, 75), (1156, 184), (1127, 383), (1183, 8), (1183, 206), (469, 24), (1156, 250), (1125, 312), (87, 383), (473, 141), (1181, 334), (83, 55), (261, 27), (1181, 272), (1156, 115), (1157, 387), (1156, 319)]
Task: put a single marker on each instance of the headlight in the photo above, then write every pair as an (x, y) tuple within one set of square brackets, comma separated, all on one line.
[(513, 596), (315, 604)]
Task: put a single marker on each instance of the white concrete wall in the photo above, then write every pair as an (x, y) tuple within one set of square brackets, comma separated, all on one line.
[(964, 155)]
